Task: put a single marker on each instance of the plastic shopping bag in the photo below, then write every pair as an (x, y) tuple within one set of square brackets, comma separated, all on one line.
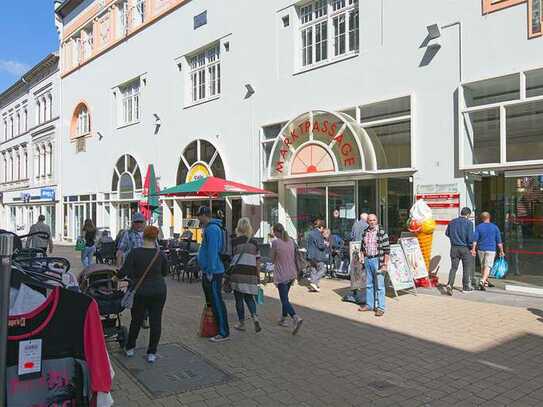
[(500, 268), (260, 296)]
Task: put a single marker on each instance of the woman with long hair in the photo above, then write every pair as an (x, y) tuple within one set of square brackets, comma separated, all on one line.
[(89, 234), (244, 273), (150, 266), (283, 254)]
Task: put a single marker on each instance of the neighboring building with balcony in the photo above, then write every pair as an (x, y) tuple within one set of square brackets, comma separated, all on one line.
[(338, 106), (29, 119)]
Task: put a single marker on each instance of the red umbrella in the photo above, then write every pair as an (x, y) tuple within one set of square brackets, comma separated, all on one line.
[(213, 187)]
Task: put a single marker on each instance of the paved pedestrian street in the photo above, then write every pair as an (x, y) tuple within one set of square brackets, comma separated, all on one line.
[(427, 350)]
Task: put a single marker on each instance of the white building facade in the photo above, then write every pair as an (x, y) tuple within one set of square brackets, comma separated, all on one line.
[(29, 172), (338, 106)]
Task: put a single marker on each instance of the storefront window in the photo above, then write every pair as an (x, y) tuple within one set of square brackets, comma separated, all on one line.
[(493, 90), (392, 143), (304, 205), (367, 196), (525, 131), (341, 210), (482, 142), (534, 83), (399, 198)]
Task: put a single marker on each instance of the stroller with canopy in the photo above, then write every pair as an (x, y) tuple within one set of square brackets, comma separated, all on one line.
[(98, 281)]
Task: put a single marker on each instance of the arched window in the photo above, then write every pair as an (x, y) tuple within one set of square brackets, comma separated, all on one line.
[(311, 159), (25, 118), (50, 163), (38, 112), (126, 178), (81, 121), (199, 159), (50, 97)]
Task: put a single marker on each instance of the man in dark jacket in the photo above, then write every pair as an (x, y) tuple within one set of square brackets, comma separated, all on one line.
[(460, 233), (209, 260), (316, 254), (376, 249)]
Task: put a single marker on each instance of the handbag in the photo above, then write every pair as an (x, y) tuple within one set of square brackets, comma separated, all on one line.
[(208, 323), (499, 269), (227, 284), (128, 299), (80, 244), (260, 296)]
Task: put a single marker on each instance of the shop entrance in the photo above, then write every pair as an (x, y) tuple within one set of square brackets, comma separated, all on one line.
[(339, 205), (516, 205), (125, 211)]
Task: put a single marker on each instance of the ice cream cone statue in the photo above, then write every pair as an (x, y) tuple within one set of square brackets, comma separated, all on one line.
[(422, 224)]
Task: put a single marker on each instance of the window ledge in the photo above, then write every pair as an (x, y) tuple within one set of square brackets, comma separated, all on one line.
[(201, 102), (122, 126), (326, 63)]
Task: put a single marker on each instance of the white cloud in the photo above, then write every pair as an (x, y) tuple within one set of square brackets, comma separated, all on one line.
[(13, 67)]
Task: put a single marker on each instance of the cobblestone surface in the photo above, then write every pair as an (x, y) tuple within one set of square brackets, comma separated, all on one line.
[(426, 351)]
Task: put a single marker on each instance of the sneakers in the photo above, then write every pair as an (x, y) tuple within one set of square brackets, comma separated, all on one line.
[(129, 353), (379, 313), (482, 285), (145, 324), (240, 326), (314, 287), (449, 290), (256, 322), (283, 322), (219, 339), (297, 325), (151, 358)]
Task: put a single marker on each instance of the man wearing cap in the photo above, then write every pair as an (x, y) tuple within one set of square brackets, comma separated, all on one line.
[(209, 259), (132, 238)]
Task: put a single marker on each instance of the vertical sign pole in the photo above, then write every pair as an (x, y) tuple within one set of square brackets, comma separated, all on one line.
[(6, 250)]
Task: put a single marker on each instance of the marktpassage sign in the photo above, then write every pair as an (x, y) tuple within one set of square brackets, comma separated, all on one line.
[(316, 143)]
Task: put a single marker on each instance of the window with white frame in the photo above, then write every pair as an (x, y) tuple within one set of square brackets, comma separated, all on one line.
[(5, 129), (329, 29), (25, 119), (205, 74), (18, 123), (502, 120), (138, 12), (129, 102), (83, 123), (122, 18), (11, 127)]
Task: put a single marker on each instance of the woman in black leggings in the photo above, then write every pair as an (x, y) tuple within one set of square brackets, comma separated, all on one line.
[(151, 295)]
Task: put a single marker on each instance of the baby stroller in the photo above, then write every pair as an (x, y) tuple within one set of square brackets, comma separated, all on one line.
[(97, 281)]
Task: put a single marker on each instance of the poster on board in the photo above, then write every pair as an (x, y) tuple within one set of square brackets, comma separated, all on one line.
[(399, 271), (356, 268), (415, 259)]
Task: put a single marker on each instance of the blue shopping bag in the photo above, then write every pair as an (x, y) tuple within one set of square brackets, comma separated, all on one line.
[(500, 268), (260, 296)]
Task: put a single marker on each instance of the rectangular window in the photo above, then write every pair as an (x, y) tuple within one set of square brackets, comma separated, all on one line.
[(130, 102), (482, 141), (328, 28), (495, 90), (534, 83), (524, 129), (205, 74)]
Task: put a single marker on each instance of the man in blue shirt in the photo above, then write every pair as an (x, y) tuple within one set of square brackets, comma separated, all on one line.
[(487, 237), (209, 260), (460, 233)]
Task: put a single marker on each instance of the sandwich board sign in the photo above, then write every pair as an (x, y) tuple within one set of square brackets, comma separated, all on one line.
[(399, 272), (415, 259)]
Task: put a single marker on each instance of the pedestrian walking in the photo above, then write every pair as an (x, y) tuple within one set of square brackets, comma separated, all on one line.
[(460, 233), (209, 260), (147, 264), (359, 227), (39, 241), (243, 275), (283, 255), (131, 239), (316, 254), (486, 239), (376, 249), (89, 234)]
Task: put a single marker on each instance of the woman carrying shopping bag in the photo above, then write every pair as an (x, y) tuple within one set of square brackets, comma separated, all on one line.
[(243, 275), (146, 267), (283, 254)]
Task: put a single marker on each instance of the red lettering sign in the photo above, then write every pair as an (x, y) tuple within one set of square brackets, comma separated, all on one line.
[(348, 162), (346, 149), (279, 166)]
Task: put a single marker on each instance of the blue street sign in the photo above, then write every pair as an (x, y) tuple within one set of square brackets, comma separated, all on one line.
[(47, 193)]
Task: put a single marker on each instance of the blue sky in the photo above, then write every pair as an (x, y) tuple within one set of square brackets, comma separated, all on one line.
[(27, 35)]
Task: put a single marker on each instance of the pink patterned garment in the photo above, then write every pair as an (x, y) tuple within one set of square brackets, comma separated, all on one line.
[(370, 242)]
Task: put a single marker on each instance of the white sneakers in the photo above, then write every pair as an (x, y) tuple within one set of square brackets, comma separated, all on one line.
[(129, 353), (219, 339), (151, 358), (314, 287)]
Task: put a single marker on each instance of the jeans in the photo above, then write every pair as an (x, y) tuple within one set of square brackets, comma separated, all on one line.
[(153, 304), (87, 254), (287, 307), (213, 294), (240, 306), (374, 277), (318, 270), (464, 254)]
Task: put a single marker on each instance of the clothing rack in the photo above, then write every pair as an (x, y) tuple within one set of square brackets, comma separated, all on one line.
[(6, 250)]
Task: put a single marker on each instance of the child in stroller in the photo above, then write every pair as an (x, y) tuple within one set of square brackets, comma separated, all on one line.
[(99, 282)]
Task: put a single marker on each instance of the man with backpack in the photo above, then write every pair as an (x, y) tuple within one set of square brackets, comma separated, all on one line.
[(209, 260)]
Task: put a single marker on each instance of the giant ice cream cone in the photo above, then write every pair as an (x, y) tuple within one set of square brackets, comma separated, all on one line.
[(425, 243)]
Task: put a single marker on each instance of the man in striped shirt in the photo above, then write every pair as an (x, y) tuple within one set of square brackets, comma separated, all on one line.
[(376, 249)]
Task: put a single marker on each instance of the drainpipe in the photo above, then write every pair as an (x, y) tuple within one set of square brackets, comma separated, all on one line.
[(460, 49)]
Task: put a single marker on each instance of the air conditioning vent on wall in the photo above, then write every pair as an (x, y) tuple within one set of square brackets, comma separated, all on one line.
[(80, 145)]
